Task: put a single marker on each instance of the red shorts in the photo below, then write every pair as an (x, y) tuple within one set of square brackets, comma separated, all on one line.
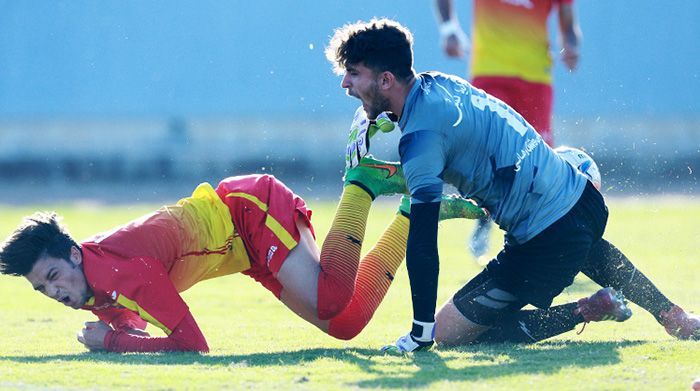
[(532, 100), (264, 212)]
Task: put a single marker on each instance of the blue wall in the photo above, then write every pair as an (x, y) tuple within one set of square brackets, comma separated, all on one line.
[(75, 59)]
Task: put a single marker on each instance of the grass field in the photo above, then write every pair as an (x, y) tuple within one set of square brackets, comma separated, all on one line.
[(257, 343)]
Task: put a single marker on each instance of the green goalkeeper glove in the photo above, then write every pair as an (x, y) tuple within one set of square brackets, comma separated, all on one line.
[(361, 130)]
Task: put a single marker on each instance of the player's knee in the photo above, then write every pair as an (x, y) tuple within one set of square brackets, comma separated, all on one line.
[(344, 332), (486, 305), (447, 332), (452, 328), (332, 300), (333, 296), (345, 335), (327, 311)]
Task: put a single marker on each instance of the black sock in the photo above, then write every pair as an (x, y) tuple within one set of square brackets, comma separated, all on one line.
[(528, 326), (608, 266)]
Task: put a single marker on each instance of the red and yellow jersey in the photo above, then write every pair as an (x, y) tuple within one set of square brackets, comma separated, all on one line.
[(510, 39), (137, 270)]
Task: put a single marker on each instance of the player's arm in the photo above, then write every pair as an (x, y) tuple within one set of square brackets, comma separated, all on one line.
[(570, 35), (120, 319), (144, 288), (423, 162), (185, 337), (454, 40)]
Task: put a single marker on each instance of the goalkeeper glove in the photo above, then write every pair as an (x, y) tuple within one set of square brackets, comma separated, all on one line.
[(361, 130), (419, 338)]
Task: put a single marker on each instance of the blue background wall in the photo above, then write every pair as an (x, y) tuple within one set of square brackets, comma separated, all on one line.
[(76, 59)]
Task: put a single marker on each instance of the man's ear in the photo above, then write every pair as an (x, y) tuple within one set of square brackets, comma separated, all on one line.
[(76, 257), (386, 80)]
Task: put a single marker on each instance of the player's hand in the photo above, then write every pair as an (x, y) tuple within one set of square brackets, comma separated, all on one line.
[(93, 335), (361, 130), (454, 40), (421, 337), (570, 56), (456, 45)]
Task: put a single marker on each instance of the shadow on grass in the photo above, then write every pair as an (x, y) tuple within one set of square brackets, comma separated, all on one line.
[(268, 359), (496, 360), (464, 364)]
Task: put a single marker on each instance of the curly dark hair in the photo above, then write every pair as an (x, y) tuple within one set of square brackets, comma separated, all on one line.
[(380, 44), (39, 234)]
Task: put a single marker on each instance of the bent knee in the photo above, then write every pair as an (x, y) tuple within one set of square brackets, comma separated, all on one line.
[(343, 330), (344, 335), (452, 328)]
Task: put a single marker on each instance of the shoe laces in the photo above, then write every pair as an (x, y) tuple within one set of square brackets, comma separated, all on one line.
[(583, 327)]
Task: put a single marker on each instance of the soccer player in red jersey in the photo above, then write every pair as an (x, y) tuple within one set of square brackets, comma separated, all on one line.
[(511, 60), (250, 224), (511, 55)]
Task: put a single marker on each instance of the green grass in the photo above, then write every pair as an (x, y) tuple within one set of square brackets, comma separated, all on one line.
[(257, 343)]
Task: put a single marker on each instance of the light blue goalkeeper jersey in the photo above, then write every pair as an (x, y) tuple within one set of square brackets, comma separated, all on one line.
[(455, 133)]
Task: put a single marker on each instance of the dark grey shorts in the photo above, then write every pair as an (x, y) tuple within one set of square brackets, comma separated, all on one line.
[(538, 270)]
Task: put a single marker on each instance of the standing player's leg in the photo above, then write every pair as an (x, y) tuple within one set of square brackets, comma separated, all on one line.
[(534, 102), (608, 266)]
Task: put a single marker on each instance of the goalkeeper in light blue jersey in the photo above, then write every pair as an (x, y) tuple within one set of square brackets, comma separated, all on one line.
[(554, 219)]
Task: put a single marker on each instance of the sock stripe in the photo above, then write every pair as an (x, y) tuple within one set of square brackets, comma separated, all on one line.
[(372, 284), (340, 253)]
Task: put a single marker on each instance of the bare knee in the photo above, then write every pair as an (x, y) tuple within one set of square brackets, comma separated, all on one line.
[(452, 328)]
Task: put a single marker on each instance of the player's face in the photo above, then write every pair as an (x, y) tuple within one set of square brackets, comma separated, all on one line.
[(61, 279), (362, 83)]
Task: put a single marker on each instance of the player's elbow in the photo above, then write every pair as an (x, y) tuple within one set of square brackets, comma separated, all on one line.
[(201, 347)]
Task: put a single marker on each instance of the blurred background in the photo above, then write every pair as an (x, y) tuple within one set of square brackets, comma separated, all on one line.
[(128, 101)]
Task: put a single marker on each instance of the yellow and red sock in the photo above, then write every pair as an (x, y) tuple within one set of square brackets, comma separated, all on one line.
[(340, 254), (376, 271)]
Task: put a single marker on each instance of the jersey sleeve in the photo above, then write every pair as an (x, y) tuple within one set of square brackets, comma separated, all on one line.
[(422, 259), (423, 162), (120, 318), (143, 286), (185, 337)]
